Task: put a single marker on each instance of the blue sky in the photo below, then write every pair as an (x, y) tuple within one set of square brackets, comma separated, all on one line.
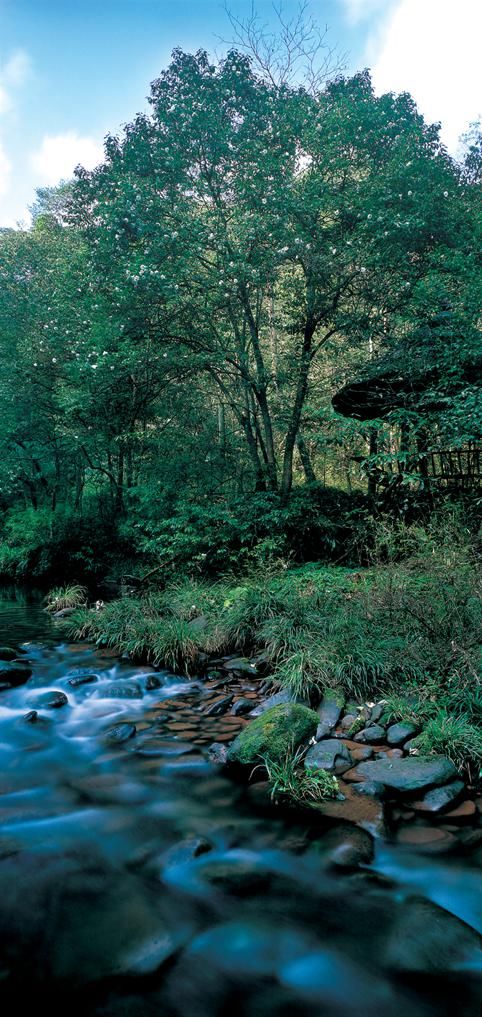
[(72, 70)]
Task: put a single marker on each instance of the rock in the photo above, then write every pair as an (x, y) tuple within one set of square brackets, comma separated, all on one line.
[(428, 839), (426, 939), (64, 612), (348, 721), (465, 811), (347, 847), (330, 755), (410, 774), (8, 653), (361, 754), (277, 699), (122, 690), (398, 734), (372, 788), (241, 664), (31, 717), (52, 700), (363, 811), (82, 679), (120, 733), (329, 712), (276, 732), (152, 682), (242, 707), (5, 686), (14, 673), (371, 735), (219, 706), (440, 797), (376, 712), (185, 851), (392, 754), (218, 753)]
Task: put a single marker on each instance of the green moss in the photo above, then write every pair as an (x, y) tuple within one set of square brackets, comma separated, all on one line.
[(278, 731)]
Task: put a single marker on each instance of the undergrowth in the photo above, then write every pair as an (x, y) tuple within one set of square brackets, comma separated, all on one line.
[(290, 780)]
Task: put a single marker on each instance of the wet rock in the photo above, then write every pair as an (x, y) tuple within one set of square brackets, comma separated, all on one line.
[(14, 673), (376, 712), (362, 810), (31, 717), (398, 734), (361, 753), (372, 788), (393, 754), (330, 983), (220, 706), (440, 798), (241, 664), (82, 679), (277, 699), (185, 851), (122, 690), (242, 707), (8, 653), (463, 812), (5, 686), (120, 733), (426, 939), (152, 682), (410, 774), (53, 700), (240, 874), (329, 712), (428, 839), (218, 753), (347, 847), (277, 731), (330, 755), (371, 735), (348, 721)]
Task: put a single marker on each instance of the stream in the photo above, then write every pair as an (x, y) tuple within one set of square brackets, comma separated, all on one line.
[(137, 879)]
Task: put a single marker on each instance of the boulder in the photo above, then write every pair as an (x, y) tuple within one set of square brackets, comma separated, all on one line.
[(440, 798), (347, 847), (398, 734), (329, 712), (371, 735), (8, 653), (52, 700), (278, 731), (330, 755), (427, 939), (14, 673), (414, 773)]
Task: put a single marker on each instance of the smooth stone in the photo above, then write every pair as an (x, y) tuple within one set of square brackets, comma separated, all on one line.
[(242, 707), (398, 734), (49, 700), (82, 679), (8, 653), (219, 707), (329, 712), (14, 673), (429, 839), (410, 774), (347, 847), (218, 753), (376, 712), (185, 851), (120, 733), (239, 664), (372, 788), (466, 810), (348, 721), (31, 717), (152, 682), (394, 754), (440, 797), (277, 699), (371, 735), (277, 731), (122, 690), (361, 810), (361, 753), (426, 939), (330, 755)]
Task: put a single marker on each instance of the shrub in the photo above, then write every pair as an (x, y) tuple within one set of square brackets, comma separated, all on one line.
[(290, 780)]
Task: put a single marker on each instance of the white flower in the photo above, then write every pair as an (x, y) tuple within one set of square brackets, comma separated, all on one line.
[(446, 194)]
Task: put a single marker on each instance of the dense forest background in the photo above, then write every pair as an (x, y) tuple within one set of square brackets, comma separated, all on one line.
[(176, 323)]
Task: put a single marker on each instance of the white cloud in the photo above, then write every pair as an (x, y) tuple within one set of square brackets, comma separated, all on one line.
[(59, 154), (13, 74), (431, 48), (357, 11)]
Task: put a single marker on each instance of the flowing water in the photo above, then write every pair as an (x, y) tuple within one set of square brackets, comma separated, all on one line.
[(138, 880)]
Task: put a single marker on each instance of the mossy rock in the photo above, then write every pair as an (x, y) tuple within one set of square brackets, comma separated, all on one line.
[(278, 731)]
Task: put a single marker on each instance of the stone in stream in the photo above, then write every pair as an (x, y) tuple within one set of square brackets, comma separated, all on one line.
[(184, 852), (329, 712), (5, 686), (414, 773), (8, 653), (153, 681), (465, 811), (330, 755), (440, 797), (346, 847), (276, 732), (82, 679), (14, 673), (371, 735), (241, 707), (427, 939), (398, 734), (361, 810), (120, 733), (52, 700), (122, 690), (218, 753), (372, 788), (219, 706)]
